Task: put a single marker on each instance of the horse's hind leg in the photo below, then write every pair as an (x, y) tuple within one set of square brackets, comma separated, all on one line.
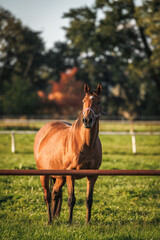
[(57, 197), (47, 195), (59, 205)]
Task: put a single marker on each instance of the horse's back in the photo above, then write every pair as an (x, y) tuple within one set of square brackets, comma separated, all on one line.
[(44, 134)]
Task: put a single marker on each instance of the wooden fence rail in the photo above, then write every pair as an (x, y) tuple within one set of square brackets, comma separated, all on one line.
[(81, 172)]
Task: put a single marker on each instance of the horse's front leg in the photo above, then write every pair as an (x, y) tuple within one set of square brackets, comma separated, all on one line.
[(89, 200), (71, 198)]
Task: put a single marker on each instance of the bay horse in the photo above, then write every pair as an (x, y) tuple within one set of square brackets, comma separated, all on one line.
[(62, 146)]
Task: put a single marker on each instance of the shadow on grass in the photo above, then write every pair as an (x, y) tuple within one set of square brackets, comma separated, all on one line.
[(24, 152), (8, 151), (5, 198), (18, 128), (31, 167), (142, 194)]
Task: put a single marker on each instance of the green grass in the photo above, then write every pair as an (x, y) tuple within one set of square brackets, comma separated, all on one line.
[(125, 126), (125, 207)]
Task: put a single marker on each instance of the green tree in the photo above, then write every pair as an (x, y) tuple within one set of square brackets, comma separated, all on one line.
[(22, 56), (119, 45), (20, 98), (59, 58)]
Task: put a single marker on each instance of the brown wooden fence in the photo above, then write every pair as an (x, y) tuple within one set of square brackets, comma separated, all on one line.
[(81, 172)]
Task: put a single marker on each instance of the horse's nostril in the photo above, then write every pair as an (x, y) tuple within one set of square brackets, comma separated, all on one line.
[(84, 120), (90, 120), (87, 121)]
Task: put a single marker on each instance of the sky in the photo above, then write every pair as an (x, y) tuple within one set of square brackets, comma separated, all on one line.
[(44, 15)]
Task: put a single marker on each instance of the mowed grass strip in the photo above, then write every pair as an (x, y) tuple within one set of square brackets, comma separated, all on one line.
[(124, 207)]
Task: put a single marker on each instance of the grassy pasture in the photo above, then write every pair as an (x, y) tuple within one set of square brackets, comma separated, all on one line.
[(104, 126), (124, 207)]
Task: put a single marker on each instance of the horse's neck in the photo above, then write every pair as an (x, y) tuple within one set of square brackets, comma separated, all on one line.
[(86, 137), (90, 135)]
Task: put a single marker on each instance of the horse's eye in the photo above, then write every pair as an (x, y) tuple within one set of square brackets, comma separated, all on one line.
[(99, 103)]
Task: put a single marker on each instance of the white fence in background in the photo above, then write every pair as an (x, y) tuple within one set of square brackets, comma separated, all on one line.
[(12, 133), (132, 134)]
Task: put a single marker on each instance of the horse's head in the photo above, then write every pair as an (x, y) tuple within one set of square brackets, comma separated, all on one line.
[(91, 105)]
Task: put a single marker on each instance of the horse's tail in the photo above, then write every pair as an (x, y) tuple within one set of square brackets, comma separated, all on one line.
[(51, 183)]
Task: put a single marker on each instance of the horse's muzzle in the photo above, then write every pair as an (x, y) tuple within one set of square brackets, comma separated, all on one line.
[(87, 122)]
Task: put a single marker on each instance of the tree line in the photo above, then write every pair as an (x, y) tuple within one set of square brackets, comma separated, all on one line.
[(116, 43)]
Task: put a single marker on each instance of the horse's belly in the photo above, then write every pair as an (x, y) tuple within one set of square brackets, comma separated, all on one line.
[(50, 150), (50, 157)]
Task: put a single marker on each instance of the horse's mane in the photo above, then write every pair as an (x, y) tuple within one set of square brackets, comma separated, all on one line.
[(79, 119)]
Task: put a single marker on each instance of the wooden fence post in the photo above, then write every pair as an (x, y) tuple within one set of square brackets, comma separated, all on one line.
[(13, 146)]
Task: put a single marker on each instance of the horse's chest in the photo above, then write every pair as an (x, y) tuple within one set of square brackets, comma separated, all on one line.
[(82, 161), (86, 164), (81, 157), (86, 161)]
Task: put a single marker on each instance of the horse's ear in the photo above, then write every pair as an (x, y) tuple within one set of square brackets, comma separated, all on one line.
[(99, 89), (86, 88)]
